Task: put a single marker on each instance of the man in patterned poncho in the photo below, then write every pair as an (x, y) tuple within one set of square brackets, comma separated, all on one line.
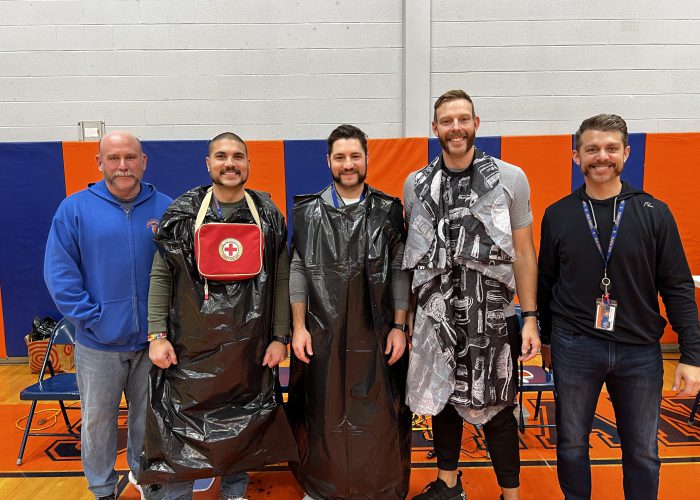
[(469, 244)]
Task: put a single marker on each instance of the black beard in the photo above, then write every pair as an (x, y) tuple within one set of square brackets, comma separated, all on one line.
[(218, 182), (360, 179)]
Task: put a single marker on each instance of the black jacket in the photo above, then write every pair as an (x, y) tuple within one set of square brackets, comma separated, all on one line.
[(647, 260)]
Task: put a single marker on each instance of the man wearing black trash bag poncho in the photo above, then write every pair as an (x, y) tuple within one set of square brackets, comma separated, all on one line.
[(349, 299), (212, 408)]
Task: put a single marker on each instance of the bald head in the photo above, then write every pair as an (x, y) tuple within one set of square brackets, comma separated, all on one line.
[(119, 137)]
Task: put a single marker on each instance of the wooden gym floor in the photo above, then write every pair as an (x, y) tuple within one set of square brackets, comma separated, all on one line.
[(52, 467)]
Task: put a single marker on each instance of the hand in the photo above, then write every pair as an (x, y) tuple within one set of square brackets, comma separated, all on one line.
[(276, 353), (547, 356), (531, 340), (690, 375), (301, 344), (395, 345), (162, 353)]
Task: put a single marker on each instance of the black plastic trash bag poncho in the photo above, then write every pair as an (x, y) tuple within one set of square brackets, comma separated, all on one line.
[(347, 405), (214, 413)]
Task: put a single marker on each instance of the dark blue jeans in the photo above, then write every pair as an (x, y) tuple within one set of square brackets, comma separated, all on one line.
[(633, 375)]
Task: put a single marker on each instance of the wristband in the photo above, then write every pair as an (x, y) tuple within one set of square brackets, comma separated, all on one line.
[(400, 326), (156, 336), (286, 340), (527, 314)]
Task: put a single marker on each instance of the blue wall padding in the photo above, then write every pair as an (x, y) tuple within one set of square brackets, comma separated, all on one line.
[(490, 145), (33, 185), (634, 166), (305, 169), (434, 148), (176, 166)]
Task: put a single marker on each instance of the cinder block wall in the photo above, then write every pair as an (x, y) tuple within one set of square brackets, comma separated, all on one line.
[(183, 69), (541, 66), (275, 69)]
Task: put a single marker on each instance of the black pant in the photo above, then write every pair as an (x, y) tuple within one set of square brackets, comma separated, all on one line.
[(501, 431)]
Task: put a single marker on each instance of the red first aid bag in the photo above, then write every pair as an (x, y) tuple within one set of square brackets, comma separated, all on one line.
[(228, 251)]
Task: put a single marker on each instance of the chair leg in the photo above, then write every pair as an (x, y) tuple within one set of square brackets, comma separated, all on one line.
[(691, 420), (26, 433), (69, 426), (537, 403), (521, 417)]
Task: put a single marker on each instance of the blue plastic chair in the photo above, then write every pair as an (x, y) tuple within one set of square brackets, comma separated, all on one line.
[(539, 379), (58, 387)]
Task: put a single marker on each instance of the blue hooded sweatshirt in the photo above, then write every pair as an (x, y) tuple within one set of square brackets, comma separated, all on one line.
[(97, 265)]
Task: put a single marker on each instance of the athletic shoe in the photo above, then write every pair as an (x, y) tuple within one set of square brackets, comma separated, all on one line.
[(438, 490)]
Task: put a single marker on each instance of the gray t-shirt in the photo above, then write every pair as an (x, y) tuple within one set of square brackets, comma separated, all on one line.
[(299, 290), (517, 190)]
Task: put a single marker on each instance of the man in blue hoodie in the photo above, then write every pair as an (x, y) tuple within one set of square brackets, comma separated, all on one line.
[(96, 267)]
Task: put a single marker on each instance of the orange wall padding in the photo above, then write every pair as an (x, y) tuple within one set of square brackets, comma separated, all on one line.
[(3, 350), (79, 165), (546, 161), (672, 174), (391, 160), (267, 170)]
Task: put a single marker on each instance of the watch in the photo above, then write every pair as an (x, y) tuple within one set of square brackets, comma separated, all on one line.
[(286, 340), (400, 326), (527, 314)]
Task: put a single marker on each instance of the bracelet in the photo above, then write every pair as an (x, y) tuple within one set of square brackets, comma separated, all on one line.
[(400, 326), (156, 336), (527, 314), (286, 340)]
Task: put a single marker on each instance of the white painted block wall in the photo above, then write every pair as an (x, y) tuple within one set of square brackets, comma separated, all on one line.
[(541, 67), (276, 69)]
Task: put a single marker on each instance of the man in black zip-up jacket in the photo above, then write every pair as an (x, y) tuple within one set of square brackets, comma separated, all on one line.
[(612, 337)]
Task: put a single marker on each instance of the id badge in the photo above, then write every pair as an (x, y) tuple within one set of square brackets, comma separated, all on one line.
[(605, 314)]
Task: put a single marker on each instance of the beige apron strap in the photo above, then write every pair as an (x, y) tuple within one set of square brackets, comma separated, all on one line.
[(202, 210), (207, 201), (253, 209)]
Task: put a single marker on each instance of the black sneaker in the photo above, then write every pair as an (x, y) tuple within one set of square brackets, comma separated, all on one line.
[(438, 490)]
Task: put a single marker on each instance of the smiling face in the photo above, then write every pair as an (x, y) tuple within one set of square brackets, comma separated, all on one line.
[(455, 127), (348, 163), (122, 163), (601, 156), (228, 163)]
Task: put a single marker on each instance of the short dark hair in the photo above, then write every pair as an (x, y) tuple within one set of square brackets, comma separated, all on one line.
[(346, 131), (452, 95), (229, 136), (602, 122)]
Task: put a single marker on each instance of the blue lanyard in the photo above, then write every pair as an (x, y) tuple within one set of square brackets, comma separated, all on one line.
[(594, 231), (218, 208), (337, 200)]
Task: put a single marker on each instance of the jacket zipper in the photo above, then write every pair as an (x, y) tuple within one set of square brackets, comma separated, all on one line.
[(134, 298)]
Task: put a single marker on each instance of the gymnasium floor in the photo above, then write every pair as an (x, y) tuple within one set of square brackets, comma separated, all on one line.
[(52, 467)]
